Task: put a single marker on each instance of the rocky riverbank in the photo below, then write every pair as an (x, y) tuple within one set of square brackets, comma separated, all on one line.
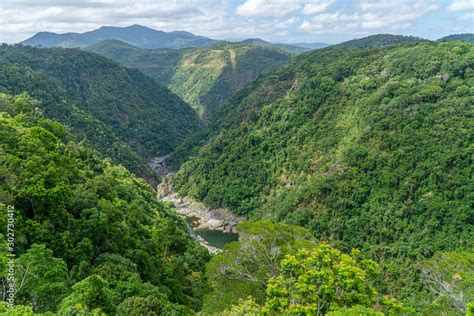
[(213, 219)]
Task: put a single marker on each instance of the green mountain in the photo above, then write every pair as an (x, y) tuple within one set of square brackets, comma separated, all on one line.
[(367, 148), (204, 77), (122, 112), (136, 35), (468, 37), (293, 48), (379, 40), (89, 237)]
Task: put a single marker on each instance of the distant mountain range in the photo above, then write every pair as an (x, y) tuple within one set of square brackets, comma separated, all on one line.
[(136, 35), (144, 37)]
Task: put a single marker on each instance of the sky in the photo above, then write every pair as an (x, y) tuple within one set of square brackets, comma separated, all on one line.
[(285, 21)]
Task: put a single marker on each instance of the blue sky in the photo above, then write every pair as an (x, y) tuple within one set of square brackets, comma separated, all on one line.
[(287, 21)]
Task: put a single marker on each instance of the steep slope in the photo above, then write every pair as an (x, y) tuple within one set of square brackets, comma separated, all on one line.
[(55, 104), (159, 64), (90, 238), (367, 148), (136, 35), (147, 117), (468, 37), (379, 40), (203, 77)]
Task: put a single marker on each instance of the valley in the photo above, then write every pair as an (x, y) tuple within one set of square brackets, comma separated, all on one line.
[(166, 173)]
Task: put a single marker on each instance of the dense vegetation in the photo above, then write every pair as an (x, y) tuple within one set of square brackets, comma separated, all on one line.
[(122, 112), (367, 148), (379, 40), (353, 163), (203, 77), (137, 35), (468, 37), (293, 48), (90, 236)]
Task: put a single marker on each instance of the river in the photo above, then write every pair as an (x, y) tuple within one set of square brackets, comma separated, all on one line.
[(213, 238), (211, 228)]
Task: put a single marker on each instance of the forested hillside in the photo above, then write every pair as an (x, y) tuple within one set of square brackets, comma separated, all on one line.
[(90, 236), (344, 174), (468, 37), (367, 148), (203, 77), (113, 106), (379, 40)]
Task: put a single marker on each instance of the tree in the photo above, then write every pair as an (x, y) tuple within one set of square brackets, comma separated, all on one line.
[(90, 293), (356, 310), (151, 306), (314, 282), (244, 267), (19, 310), (449, 276), (41, 278)]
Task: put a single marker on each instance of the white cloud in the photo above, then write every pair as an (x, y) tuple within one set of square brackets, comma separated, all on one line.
[(266, 8), (371, 16), (293, 20), (318, 7), (281, 8), (461, 5)]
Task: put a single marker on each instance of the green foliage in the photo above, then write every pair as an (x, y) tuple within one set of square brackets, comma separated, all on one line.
[(318, 281), (92, 292), (468, 37), (356, 310), (44, 278), (204, 77), (379, 40), (244, 267), (81, 221), (150, 305), (19, 310), (244, 307), (348, 155), (449, 276), (470, 309), (124, 114), (366, 148), (312, 283)]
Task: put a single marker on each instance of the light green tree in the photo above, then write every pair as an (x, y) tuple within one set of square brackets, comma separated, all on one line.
[(41, 278), (314, 282)]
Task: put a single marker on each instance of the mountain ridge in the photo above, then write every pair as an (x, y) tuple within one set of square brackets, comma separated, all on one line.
[(136, 35), (204, 77), (149, 118), (286, 146)]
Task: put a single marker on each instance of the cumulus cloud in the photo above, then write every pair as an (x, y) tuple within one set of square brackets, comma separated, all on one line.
[(367, 16), (461, 5), (280, 8), (286, 20), (318, 7), (265, 8)]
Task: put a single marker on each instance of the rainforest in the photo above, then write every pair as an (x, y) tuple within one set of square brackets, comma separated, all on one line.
[(163, 173)]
